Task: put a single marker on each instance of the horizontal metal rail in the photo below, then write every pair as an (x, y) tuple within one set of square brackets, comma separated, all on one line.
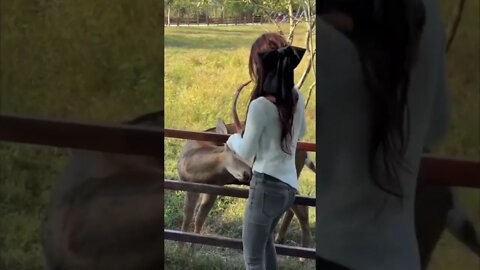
[(450, 172), (215, 137), (224, 191), (138, 140), (173, 235), (125, 139)]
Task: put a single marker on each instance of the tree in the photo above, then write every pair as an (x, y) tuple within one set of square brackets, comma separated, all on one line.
[(310, 20), (203, 5), (238, 8), (169, 7), (298, 11)]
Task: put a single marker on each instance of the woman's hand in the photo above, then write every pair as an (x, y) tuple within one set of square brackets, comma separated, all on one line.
[(233, 141)]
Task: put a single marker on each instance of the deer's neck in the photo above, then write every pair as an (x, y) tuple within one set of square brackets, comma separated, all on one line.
[(203, 166)]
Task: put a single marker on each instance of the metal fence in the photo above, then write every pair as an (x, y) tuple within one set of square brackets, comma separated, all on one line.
[(127, 139)]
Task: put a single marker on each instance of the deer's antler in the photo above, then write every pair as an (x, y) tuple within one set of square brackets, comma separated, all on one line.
[(236, 120)]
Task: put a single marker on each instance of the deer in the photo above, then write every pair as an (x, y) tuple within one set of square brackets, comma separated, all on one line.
[(106, 211), (214, 163)]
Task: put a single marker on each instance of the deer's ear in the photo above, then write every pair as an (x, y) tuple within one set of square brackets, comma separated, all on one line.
[(221, 127)]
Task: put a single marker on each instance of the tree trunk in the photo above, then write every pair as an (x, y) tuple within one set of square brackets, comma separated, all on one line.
[(206, 16), (279, 29), (293, 22), (290, 14), (168, 15), (311, 51)]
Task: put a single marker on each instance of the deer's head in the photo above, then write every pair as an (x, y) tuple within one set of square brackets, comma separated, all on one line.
[(238, 167)]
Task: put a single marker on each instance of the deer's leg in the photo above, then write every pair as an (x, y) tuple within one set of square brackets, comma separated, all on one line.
[(432, 205), (301, 211), (206, 204), (190, 202), (287, 219)]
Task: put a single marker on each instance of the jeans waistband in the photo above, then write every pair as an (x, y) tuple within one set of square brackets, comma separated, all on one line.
[(268, 178)]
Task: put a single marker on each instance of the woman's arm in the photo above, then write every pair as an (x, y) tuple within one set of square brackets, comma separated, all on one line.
[(247, 146)]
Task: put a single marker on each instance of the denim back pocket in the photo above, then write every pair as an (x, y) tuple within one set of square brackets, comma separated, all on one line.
[(275, 199), (273, 204)]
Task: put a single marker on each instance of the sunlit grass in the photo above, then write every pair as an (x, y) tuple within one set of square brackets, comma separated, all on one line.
[(203, 68)]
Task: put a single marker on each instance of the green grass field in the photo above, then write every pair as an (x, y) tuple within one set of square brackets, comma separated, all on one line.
[(95, 61), (203, 67)]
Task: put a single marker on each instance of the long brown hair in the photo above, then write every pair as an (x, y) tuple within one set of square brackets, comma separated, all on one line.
[(286, 106), (386, 34)]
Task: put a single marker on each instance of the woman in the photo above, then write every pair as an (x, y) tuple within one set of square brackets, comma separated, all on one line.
[(275, 122), (381, 100)]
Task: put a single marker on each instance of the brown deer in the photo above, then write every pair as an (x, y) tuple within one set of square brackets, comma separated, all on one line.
[(106, 211), (214, 163)]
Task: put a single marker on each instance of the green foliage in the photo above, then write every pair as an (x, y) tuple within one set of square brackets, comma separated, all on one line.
[(184, 8)]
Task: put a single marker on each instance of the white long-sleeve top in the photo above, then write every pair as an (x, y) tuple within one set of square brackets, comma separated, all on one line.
[(359, 225), (261, 140)]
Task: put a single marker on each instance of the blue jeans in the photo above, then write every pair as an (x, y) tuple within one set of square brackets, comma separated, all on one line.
[(268, 199)]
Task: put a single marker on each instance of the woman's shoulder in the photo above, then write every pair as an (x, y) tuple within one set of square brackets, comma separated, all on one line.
[(262, 106), (258, 105), (261, 102), (265, 104), (258, 102)]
